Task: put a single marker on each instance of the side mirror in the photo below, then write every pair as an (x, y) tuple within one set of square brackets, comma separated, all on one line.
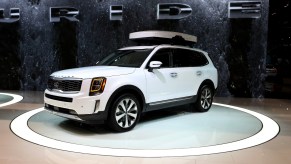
[(154, 65)]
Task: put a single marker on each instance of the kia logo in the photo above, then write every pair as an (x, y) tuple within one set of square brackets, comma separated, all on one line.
[(56, 85)]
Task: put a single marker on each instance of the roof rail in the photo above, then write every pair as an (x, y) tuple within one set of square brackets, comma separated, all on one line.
[(162, 37)]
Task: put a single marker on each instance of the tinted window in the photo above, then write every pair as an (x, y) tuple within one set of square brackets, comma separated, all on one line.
[(162, 55), (188, 58), (126, 58)]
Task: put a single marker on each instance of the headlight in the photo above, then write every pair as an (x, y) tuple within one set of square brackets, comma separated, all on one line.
[(97, 85)]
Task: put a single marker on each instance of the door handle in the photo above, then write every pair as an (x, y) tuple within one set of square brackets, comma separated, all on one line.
[(199, 73), (174, 74)]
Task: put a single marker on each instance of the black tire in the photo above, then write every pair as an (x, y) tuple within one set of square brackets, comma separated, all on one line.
[(124, 113), (204, 98)]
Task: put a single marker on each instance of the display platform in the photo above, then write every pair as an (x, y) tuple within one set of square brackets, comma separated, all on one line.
[(5, 98), (164, 130), (8, 99), (159, 134)]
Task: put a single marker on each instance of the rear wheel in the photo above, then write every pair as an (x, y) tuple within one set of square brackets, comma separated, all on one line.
[(205, 98), (124, 113)]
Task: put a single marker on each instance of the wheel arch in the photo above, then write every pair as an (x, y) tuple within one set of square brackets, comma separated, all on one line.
[(126, 89), (208, 82), (198, 105)]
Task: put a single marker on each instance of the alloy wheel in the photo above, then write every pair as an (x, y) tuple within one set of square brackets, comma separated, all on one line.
[(206, 98), (126, 113)]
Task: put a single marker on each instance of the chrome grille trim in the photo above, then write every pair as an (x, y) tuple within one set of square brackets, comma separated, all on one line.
[(64, 85)]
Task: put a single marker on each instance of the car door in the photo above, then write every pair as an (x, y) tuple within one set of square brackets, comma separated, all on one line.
[(188, 65), (161, 82)]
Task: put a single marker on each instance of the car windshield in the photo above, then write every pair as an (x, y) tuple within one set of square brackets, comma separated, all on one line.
[(126, 58)]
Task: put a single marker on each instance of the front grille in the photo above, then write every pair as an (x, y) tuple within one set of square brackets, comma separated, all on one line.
[(64, 85)]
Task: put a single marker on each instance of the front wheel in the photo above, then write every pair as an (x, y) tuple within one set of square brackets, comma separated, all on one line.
[(125, 113), (205, 98)]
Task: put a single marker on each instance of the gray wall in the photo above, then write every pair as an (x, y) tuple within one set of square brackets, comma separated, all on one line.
[(35, 48)]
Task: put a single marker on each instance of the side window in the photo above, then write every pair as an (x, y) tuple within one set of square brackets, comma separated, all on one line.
[(188, 58), (162, 55)]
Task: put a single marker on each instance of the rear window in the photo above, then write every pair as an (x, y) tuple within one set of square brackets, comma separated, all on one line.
[(188, 58)]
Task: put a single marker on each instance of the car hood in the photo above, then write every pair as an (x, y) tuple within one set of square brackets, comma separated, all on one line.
[(93, 71)]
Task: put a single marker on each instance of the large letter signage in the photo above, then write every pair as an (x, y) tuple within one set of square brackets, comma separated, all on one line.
[(14, 15), (165, 11), (116, 13), (69, 13), (244, 9), (173, 11)]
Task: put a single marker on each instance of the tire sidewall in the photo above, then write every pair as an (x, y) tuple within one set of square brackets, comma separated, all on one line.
[(112, 123), (198, 102)]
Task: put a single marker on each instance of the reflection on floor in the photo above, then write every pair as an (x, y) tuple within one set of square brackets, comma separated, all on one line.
[(15, 150), (5, 98), (168, 129)]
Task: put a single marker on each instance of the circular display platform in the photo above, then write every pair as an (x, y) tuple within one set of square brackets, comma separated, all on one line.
[(5, 98), (167, 133), (8, 99), (168, 130)]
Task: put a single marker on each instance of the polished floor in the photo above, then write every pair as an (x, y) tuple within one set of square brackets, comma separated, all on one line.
[(171, 129), (16, 150)]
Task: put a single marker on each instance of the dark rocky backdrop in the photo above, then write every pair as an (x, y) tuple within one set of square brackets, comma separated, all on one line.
[(33, 48)]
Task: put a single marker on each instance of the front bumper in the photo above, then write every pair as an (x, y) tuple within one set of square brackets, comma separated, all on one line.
[(76, 102), (99, 117), (77, 106)]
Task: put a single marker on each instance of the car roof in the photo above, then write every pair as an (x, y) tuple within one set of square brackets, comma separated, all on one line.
[(179, 46), (138, 48), (161, 46)]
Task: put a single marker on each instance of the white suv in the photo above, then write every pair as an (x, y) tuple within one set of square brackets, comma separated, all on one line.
[(131, 81)]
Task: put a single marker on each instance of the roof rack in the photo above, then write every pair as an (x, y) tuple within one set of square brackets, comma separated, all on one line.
[(162, 37)]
